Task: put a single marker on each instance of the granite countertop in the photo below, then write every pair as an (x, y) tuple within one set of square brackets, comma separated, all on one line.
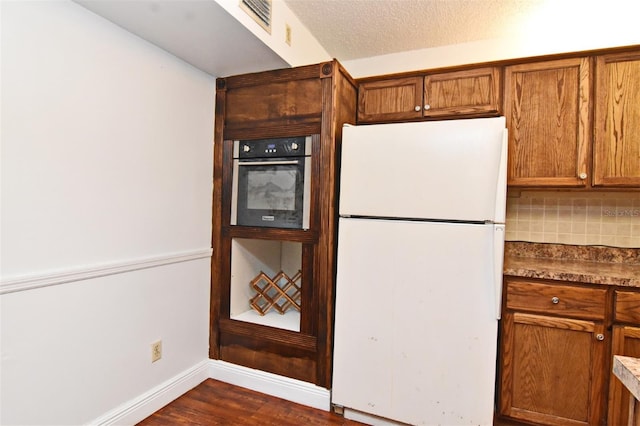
[(627, 369), (586, 264)]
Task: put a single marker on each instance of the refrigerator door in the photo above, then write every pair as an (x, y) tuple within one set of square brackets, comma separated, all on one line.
[(415, 326), (451, 170)]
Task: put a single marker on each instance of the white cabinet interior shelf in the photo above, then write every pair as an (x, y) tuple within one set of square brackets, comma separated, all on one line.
[(251, 258)]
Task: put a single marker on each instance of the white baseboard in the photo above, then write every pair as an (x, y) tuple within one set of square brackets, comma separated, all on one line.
[(148, 403), (369, 419), (271, 384), (140, 408)]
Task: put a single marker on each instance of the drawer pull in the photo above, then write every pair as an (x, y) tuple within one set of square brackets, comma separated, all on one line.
[(600, 336), (555, 300)]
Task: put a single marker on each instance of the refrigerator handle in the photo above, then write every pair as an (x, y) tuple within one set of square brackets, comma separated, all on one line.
[(501, 188), (498, 264)]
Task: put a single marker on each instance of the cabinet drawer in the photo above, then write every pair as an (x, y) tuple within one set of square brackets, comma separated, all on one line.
[(627, 307), (556, 299)]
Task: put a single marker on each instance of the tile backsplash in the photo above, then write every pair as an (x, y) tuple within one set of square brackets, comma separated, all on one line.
[(565, 217)]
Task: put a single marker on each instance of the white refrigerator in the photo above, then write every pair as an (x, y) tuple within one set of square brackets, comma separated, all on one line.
[(419, 271)]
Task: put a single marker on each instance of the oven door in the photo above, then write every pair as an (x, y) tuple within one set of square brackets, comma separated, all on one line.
[(271, 192)]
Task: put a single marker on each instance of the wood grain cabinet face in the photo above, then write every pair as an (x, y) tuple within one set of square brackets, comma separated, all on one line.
[(625, 341), (390, 100), (278, 103), (546, 106), (552, 367), (468, 93), (617, 120), (472, 92)]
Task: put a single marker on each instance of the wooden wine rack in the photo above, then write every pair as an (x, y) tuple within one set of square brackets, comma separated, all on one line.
[(280, 292)]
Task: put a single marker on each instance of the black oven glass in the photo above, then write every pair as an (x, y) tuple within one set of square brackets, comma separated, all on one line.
[(270, 195)]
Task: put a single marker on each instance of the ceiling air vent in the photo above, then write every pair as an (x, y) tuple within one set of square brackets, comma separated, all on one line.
[(260, 11)]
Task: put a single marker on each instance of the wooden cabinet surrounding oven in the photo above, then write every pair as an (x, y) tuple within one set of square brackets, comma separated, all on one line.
[(466, 93), (554, 348), (315, 101)]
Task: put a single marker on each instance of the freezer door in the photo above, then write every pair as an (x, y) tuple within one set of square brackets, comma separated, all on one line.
[(452, 170), (415, 326)]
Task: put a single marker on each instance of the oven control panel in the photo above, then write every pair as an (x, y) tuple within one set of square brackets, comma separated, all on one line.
[(299, 146)]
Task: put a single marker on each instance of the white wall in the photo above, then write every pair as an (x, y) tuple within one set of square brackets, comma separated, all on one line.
[(106, 178)]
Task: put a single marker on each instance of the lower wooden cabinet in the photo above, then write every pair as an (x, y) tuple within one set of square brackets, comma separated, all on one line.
[(625, 341), (554, 354)]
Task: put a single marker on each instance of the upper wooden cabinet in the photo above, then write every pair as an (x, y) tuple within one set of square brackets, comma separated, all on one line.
[(547, 113), (617, 120), (390, 100), (470, 92), (451, 94)]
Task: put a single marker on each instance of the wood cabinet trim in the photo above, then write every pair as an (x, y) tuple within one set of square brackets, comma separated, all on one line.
[(556, 322), (574, 301), (627, 307)]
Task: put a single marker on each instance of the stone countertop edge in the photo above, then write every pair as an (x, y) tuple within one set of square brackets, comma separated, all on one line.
[(627, 369), (583, 264)]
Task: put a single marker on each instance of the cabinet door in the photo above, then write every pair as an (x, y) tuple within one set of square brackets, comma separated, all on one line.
[(626, 341), (617, 120), (552, 370), (472, 92), (547, 112), (390, 100)]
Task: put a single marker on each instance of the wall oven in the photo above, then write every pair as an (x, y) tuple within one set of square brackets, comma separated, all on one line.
[(271, 182)]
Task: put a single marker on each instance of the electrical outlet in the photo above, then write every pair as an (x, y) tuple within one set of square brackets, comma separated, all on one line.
[(156, 351), (287, 34)]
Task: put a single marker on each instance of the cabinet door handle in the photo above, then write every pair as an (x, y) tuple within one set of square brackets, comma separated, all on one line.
[(600, 336), (417, 108), (555, 300), (582, 175), (427, 107)]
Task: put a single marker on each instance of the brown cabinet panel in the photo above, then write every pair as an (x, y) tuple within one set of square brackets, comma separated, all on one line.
[(578, 302), (274, 103), (470, 92), (627, 307), (546, 105), (617, 120), (274, 357), (626, 341), (389, 100), (552, 370)]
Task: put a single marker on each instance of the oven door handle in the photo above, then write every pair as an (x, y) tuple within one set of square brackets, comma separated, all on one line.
[(267, 163)]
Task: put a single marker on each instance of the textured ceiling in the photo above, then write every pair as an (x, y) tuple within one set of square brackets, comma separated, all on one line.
[(351, 29)]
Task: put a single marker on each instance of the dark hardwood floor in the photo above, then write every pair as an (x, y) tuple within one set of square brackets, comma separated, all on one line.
[(218, 403)]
